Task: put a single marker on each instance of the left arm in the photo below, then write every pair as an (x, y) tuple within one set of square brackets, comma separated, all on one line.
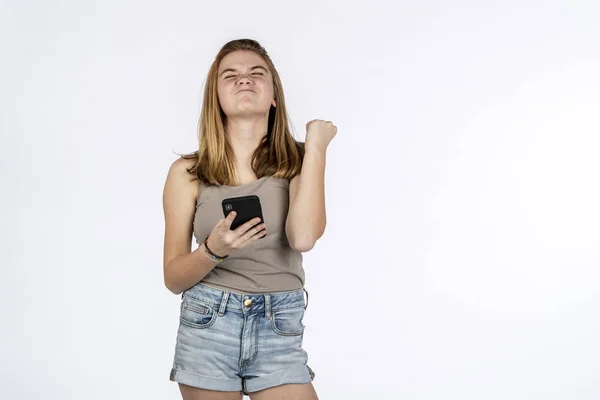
[(306, 218)]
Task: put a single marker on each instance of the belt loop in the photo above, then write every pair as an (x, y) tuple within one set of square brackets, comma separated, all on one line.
[(306, 303), (223, 303), (268, 306)]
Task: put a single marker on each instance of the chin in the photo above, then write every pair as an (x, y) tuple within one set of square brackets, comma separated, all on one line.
[(248, 112)]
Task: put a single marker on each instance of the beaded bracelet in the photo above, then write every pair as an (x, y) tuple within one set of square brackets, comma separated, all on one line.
[(207, 254), (211, 254)]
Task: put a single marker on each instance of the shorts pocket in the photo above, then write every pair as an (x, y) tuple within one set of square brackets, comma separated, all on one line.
[(288, 322), (196, 314)]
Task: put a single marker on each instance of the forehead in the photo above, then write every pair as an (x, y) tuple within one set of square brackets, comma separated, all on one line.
[(241, 59)]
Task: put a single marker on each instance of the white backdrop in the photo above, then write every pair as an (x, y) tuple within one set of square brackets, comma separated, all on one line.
[(460, 260)]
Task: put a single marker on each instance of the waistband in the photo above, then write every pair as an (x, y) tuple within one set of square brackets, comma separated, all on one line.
[(248, 303)]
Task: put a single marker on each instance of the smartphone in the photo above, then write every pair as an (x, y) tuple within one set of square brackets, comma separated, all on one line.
[(246, 207)]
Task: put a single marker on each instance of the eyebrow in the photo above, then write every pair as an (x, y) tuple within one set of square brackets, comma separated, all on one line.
[(251, 69)]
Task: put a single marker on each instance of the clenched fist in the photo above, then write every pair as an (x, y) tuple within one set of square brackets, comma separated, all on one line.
[(319, 134)]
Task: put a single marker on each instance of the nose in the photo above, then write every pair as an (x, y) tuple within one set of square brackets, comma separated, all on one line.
[(244, 78)]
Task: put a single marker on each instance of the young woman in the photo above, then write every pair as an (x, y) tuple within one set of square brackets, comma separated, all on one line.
[(242, 289)]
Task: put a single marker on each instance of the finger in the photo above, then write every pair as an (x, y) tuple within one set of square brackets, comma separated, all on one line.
[(250, 233), (245, 226), (252, 238), (229, 220)]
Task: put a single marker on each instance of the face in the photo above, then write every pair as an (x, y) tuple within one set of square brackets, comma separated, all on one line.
[(244, 85)]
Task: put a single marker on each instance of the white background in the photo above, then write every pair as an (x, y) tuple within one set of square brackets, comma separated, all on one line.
[(460, 259)]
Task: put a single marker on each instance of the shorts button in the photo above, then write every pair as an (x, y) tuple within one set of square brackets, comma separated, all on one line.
[(248, 302)]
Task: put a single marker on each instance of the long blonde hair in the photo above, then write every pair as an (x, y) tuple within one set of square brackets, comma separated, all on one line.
[(278, 154)]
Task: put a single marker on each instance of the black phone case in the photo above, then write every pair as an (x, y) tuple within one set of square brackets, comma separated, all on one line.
[(246, 207)]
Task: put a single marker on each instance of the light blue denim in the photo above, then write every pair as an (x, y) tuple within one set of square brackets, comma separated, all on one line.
[(226, 343)]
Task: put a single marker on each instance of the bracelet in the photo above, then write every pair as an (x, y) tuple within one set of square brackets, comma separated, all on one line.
[(206, 254), (211, 254)]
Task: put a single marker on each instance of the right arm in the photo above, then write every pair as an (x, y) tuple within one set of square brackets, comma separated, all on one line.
[(182, 267)]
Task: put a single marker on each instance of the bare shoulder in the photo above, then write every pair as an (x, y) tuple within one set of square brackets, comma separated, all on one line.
[(180, 179), (181, 188), (181, 166)]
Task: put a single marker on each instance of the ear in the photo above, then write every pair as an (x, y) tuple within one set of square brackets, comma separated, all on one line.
[(274, 103)]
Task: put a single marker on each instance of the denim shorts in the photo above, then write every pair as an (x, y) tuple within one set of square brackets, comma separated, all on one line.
[(234, 342)]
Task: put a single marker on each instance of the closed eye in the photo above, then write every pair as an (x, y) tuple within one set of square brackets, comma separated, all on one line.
[(254, 73)]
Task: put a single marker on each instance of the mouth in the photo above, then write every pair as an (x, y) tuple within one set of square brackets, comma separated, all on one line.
[(245, 90)]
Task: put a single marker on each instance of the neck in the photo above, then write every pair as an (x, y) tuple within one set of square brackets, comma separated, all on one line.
[(244, 136)]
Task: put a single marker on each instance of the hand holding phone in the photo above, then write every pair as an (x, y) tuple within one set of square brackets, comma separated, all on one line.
[(246, 208), (241, 225)]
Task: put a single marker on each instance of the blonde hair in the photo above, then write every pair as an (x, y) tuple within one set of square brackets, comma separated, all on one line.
[(278, 154)]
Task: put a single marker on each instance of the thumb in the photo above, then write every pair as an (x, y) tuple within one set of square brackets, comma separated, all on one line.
[(229, 220)]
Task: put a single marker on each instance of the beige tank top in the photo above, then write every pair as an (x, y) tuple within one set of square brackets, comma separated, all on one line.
[(266, 265)]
